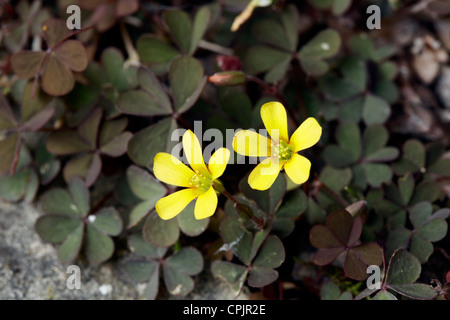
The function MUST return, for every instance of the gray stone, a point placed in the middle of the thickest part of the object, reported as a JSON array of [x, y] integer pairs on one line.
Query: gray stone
[[30, 269]]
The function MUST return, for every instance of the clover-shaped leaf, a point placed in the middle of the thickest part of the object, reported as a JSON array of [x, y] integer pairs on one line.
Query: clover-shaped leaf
[[341, 236], [402, 272], [24, 183], [323, 46], [105, 81], [428, 228], [157, 52], [261, 253], [69, 222], [331, 291], [89, 141], [281, 38], [31, 16], [177, 269], [367, 154], [56, 65], [33, 117], [151, 98]]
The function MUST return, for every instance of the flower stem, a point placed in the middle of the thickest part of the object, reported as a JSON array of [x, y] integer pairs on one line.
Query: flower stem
[[244, 211]]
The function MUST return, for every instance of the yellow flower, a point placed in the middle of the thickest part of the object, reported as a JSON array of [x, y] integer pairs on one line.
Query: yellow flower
[[281, 152], [198, 181]]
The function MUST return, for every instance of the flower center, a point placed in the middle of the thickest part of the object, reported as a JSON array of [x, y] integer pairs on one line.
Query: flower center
[[283, 151], [201, 181]]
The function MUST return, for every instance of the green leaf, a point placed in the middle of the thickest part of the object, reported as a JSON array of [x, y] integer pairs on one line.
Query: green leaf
[[397, 239], [384, 295], [65, 142], [138, 102], [199, 26], [138, 245], [271, 253], [336, 179], [178, 284], [139, 211], [406, 187], [324, 45], [55, 228], [290, 20], [261, 276], [145, 144], [271, 32], [98, 246], [189, 224], [231, 273], [375, 110], [440, 167], [80, 195], [237, 239], [375, 138], [267, 200], [433, 230], [144, 185], [152, 50], [321, 4], [419, 213], [418, 291], [427, 190], [159, 232], [421, 248], [340, 6], [107, 220], [13, 188], [70, 248], [86, 166], [377, 174], [180, 27], [188, 261], [354, 70], [151, 85], [260, 59], [293, 205], [59, 201], [141, 271], [404, 268], [185, 93], [414, 151]]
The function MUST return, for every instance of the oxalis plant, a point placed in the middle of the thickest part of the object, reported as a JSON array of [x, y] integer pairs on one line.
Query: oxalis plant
[[240, 140]]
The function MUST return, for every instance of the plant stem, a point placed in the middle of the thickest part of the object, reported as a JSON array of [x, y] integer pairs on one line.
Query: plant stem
[[272, 90], [333, 194], [133, 56], [248, 215]]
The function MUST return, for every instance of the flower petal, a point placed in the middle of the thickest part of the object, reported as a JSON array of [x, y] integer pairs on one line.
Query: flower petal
[[307, 135], [206, 204], [168, 207], [252, 144], [298, 168], [193, 152], [273, 114], [265, 173], [170, 170], [218, 162]]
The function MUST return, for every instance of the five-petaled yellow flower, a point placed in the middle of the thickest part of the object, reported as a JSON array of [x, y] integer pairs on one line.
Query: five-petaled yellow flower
[[198, 181], [281, 152]]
